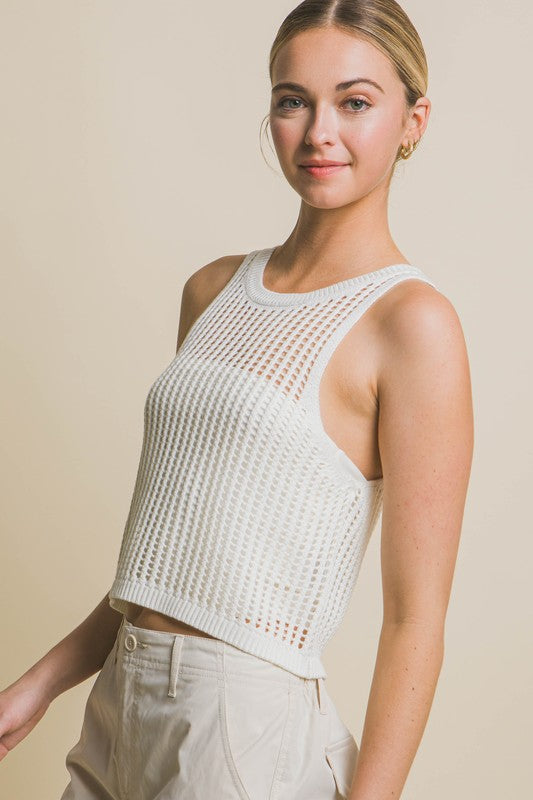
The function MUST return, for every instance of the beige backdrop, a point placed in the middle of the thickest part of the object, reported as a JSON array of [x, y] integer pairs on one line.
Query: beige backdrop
[[130, 157]]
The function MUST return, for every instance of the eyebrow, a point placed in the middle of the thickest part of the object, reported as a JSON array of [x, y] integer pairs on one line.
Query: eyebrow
[[340, 87]]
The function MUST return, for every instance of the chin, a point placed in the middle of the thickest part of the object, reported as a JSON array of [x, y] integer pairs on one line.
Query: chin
[[324, 196], [325, 204]]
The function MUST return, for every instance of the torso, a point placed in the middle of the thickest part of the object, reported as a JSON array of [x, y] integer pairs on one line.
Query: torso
[[348, 405], [144, 617]]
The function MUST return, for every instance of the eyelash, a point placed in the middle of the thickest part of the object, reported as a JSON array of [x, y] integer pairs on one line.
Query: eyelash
[[349, 100]]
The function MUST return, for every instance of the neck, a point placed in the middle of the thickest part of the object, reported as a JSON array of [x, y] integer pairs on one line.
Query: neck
[[350, 240]]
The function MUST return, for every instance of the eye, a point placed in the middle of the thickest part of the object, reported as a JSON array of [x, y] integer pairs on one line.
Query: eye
[[288, 99], [358, 100], [282, 102]]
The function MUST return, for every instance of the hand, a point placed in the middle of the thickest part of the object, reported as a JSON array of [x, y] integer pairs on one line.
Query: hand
[[22, 704]]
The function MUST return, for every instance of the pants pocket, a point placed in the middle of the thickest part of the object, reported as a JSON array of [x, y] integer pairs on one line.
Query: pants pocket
[[256, 725], [342, 758]]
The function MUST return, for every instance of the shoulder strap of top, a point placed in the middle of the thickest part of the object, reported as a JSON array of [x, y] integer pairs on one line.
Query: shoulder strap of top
[[366, 298]]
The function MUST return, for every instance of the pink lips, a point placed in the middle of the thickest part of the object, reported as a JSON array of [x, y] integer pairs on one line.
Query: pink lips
[[323, 171]]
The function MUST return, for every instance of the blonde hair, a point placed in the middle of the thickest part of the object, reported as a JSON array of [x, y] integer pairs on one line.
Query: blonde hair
[[383, 23]]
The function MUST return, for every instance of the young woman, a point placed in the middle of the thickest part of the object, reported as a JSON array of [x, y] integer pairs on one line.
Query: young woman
[[316, 383]]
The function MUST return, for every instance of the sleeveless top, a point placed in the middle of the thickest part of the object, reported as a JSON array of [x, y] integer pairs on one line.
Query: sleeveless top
[[247, 521]]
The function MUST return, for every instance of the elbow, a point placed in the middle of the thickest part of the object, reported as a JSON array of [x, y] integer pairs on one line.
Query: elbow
[[427, 631]]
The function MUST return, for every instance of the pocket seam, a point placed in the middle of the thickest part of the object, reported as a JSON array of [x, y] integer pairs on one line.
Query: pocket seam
[[280, 770], [330, 748], [223, 724], [346, 743]]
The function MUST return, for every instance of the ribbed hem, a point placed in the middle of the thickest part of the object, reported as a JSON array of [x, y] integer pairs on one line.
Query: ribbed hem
[[123, 591]]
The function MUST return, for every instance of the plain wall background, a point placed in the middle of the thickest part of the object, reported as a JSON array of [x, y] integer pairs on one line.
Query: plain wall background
[[130, 157]]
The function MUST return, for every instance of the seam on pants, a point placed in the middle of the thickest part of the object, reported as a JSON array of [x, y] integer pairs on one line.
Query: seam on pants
[[117, 754], [124, 753], [221, 680], [281, 771]]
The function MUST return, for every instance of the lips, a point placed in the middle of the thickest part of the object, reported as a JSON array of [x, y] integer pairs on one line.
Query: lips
[[316, 163], [323, 169]]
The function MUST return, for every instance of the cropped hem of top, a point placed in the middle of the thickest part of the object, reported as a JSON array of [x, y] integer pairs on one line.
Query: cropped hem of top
[[247, 520], [209, 621]]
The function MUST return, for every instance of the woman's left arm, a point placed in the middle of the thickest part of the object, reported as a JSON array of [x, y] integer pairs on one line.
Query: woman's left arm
[[426, 436]]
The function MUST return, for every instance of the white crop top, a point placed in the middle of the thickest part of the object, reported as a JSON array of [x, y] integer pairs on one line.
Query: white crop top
[[247, 521]]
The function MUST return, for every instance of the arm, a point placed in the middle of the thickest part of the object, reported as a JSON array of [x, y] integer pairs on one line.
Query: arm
[[79, 655], [74, 659], [425, 433]]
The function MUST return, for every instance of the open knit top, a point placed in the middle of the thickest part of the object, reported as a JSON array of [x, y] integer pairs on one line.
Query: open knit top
[[247, 520]]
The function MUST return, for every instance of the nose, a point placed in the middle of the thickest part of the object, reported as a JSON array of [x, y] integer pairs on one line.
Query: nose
[[322, 128]]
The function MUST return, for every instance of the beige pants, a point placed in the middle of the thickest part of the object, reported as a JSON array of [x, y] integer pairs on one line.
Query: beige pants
[[182, 717]]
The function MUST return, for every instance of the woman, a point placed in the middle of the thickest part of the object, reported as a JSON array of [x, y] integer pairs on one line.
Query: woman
[[315, 384]]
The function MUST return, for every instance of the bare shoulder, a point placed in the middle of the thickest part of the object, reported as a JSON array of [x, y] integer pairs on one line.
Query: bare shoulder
[[207, 281], [415, 319], [201, 288], [424, 389]]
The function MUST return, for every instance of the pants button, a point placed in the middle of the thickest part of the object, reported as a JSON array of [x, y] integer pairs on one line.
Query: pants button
[[130, 642]]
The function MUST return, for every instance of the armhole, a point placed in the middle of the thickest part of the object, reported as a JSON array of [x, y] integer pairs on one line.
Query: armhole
[[218, 297], [310, 397], [355, 315]]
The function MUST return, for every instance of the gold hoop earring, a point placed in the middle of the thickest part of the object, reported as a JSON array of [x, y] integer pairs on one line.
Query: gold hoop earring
[[407, 152]]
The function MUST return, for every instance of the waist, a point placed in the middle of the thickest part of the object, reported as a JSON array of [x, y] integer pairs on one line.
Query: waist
[[193, 656], [149, 619], [285, 642]]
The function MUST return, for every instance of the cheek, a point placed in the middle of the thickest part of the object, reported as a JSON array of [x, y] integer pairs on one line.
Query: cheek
[[286, 136], [371, 140]]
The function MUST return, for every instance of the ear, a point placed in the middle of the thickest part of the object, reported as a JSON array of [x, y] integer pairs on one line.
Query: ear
[[417, 120]]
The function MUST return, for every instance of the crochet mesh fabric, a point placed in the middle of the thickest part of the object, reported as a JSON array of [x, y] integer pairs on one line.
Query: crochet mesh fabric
[[247, 520]]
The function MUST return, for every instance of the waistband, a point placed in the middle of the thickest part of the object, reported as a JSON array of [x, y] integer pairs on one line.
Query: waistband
[[200, 654]]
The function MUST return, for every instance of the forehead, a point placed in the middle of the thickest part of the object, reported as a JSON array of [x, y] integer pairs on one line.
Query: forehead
[[323, 57]]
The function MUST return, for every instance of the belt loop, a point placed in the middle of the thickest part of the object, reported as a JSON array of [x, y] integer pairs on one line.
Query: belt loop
[[174, 664], [321, 697]]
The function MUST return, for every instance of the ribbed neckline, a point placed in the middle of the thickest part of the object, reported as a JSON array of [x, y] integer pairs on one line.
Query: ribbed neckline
[[258, 292]]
